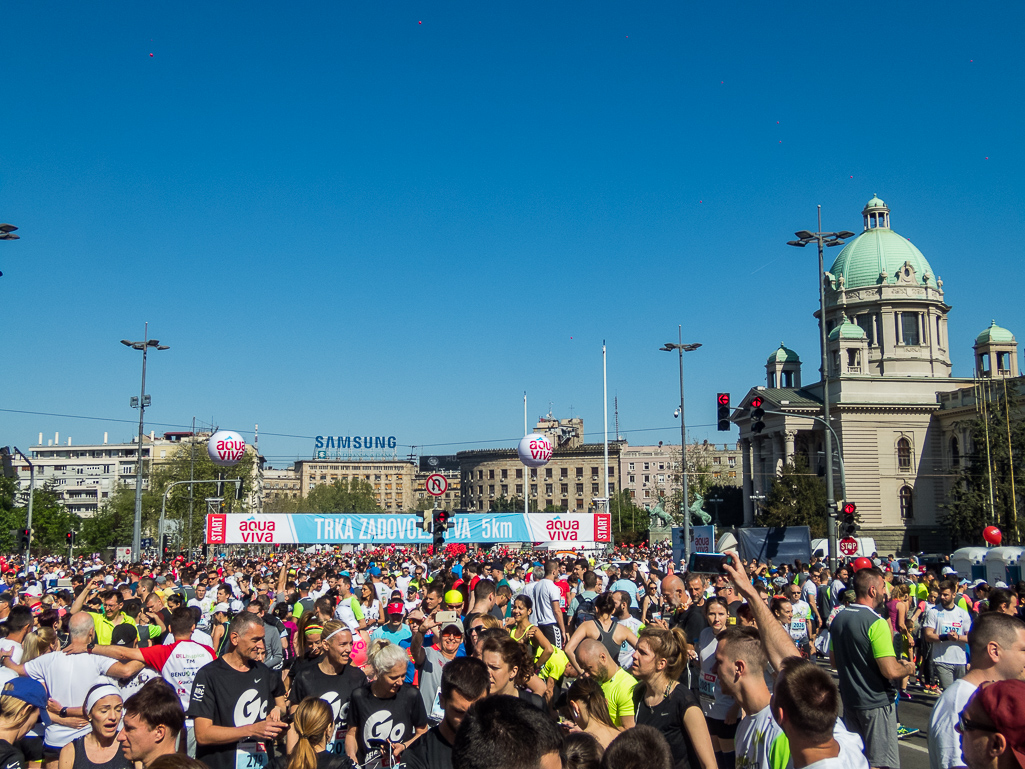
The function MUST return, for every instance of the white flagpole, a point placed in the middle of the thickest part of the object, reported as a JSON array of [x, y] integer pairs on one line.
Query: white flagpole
[[526, 470], [605, 404]]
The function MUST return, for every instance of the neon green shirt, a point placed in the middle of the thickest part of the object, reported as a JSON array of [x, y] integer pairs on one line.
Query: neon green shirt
[[619, 693]]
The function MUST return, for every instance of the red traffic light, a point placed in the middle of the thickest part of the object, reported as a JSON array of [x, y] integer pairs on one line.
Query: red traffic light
[[724, 399], [756, 402], [849, 508]]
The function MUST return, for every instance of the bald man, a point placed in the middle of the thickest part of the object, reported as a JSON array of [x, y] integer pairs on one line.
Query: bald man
[[617, 684]]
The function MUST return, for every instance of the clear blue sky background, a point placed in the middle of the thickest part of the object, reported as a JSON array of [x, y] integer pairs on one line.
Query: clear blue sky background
[[394, 218]]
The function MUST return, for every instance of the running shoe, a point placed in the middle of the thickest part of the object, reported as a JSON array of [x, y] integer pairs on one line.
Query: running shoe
[[905, 696], [906, 731]]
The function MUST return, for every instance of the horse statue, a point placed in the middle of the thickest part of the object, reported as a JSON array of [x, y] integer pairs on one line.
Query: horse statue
[[658, 517], [697, 509]]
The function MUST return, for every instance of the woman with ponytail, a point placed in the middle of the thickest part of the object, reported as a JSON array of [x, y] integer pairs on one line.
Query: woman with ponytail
[[662, 702], [314, 727]]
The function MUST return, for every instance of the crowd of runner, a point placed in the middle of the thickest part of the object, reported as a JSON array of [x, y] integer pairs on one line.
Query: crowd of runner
[[503, 660]]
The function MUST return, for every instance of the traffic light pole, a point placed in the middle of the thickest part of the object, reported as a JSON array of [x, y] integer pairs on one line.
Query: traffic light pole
[[31, 496]]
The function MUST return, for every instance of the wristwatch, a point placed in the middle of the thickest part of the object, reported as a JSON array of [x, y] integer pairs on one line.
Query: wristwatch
[[64, 712]]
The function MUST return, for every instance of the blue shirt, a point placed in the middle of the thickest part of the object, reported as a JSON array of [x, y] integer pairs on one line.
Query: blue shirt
[[401, 637], [627, 586]]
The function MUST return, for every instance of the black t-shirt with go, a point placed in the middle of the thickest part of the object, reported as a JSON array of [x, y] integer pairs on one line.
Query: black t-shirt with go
[[335, 690], [229, 697], [393, 718]]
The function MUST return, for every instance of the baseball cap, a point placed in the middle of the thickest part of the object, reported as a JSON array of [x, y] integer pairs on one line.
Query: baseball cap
[[978, 582], [948, 570], [375, 572], [35, 590], [457, 624], [453, 596], [222, 606], [28, 690], [123, 635], [1004, 703], [395, 608]]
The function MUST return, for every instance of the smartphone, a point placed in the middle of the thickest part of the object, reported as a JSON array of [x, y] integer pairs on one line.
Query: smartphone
[[707, 563], [446, 616]]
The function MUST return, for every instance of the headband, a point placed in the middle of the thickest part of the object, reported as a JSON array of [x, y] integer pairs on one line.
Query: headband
[[97, 693], [331, 635], [313, 629]]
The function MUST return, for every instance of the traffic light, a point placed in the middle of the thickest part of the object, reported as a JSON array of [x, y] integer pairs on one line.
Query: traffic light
[[757, 414], [848, 526], [238, 490], [425, 524], [440, 527], [70, 538], [26, 535], [722, 402], [165, 546]]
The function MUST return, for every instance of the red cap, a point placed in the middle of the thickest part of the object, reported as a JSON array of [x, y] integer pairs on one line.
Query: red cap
[[1004, 703], [395, 608]]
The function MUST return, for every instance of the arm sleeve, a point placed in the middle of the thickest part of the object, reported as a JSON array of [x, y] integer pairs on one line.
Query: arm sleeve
[[36, 668], [881, 640], [357, 610], [156, 656]]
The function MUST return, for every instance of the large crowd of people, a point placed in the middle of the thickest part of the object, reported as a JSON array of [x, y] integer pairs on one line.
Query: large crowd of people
[[503, 659]]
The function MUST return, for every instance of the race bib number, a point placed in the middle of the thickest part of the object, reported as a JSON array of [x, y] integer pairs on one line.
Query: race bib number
[[706, 685], [251, 755], [336, 747]]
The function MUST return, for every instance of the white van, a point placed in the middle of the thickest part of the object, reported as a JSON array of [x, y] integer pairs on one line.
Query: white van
[[866, 546]]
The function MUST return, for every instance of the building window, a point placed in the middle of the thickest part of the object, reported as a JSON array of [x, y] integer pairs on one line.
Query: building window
[[907, 504], [955, 452], [491, 489], [491, 475], [533, 472], [647, 479], [631, 467], [548, 472], [580, 504], [505, 474], [661, 479], [646, 466], [909, 327], [580, 488], [716, 460], [564, 488], [548, 489], [505, 489], [612, 472], [904, 455], [633, 479], [594, 488], [519, 472], [564, 472], [580, 472], [731, 461], [533, 489], [480, 475]]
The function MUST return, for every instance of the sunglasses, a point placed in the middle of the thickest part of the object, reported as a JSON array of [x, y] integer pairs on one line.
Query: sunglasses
[[965, 724]]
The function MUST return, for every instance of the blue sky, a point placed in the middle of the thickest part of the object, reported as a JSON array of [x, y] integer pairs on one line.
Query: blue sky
[[394, 218]]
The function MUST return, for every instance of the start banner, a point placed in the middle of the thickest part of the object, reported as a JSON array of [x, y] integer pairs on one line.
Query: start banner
[[403, 528]]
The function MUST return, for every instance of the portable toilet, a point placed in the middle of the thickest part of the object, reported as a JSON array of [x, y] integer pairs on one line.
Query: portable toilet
[[969, 562], [1004, 564]]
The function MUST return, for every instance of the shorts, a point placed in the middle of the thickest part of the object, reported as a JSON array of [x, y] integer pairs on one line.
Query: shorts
[[553, 634], [32, 748], [877, 728], [718, 727]]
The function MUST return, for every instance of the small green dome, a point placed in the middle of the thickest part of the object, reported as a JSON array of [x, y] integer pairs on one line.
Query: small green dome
[[875, 202], [995, 333], [847, 330], [875, 251], [783, 355]]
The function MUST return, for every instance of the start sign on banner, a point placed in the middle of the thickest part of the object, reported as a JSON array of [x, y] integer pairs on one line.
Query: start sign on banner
[[401, 529]]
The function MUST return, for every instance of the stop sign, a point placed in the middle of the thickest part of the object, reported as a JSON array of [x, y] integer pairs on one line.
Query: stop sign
[[849, 546]]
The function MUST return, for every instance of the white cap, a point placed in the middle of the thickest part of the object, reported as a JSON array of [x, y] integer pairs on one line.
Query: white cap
[[236, 606], [35, 590], [1001, 584], [222, 606], [948, 570]]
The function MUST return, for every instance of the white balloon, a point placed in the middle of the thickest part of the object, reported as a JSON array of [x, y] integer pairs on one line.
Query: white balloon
[[535, 450], [226, 448]]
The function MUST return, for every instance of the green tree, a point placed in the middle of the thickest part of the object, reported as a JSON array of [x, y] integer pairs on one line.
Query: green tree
[[629, 521], [342, 496], [113, 523], [796, 498], [190, 461], [996, 453], [11, 517], [51, 521]]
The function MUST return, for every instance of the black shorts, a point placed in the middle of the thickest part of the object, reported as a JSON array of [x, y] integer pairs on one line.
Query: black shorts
[[721, 729], [552, 633], [31, 747]]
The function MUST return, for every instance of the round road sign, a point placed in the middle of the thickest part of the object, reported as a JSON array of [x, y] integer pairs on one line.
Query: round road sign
[[848, 546], [437, 484]]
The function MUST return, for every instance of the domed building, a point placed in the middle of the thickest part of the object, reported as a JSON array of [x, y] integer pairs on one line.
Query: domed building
[[893, 401]]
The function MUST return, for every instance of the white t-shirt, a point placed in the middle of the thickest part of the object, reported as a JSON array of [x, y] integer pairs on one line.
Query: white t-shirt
[[197, 635], [947, 622], [944, 741], [714, 703], [544, 593], [851, 755], [755, 735], [626, 651], [809, 591], [13, 648], [801, 621], [344, 611], [68, 678]]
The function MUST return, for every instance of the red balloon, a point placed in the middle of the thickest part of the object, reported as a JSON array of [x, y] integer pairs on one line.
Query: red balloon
[[992, 535], [862, 563]]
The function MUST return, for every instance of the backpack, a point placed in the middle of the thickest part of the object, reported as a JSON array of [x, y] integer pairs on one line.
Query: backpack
[[585, 611]]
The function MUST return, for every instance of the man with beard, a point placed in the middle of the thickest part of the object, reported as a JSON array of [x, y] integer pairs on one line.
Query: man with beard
[[946, 627], [332, 679], [861, 649], [463, 682]]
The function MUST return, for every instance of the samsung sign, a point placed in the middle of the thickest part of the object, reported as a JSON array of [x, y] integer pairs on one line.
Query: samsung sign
[[355, 442]]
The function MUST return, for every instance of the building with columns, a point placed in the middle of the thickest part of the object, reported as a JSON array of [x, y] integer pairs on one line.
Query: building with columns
[[893, 402]]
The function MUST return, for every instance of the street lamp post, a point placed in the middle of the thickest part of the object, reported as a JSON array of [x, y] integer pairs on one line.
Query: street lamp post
[[7, 233], [141, 403], [825, 239], [31, 496], [682, 348]]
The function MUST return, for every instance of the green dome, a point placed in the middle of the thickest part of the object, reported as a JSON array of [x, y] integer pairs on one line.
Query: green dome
[[847, 330], [995, 333], [875, 251], [783, 355], [875, 202]]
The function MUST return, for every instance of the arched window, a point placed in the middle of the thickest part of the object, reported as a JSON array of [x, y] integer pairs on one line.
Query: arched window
[[955, 452], [904, 455], [907, 503]]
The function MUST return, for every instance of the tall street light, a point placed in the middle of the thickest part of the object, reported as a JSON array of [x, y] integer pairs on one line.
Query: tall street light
[[141, 403], [684, 505], [825, 239], [7, 233]]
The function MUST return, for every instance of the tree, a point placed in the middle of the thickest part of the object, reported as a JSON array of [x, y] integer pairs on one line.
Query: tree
[[11, 517], [113, 523], [342, 496], [996, 452], [629, 521], [796, 498]]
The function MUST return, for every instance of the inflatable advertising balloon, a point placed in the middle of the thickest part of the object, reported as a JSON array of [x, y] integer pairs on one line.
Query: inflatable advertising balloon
[[535, 450], [992, 535], [226, 448]]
